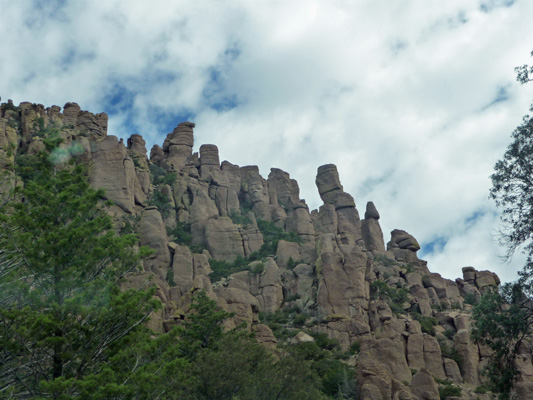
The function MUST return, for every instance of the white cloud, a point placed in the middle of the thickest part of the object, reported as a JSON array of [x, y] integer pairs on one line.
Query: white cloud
[[400, 95]]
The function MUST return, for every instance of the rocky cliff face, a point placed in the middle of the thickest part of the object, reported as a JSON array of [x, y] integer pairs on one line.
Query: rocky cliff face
[[408, 327]]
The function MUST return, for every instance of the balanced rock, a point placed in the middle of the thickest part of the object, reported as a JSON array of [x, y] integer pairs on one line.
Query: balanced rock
[[328, 182], [178, 145], [371, 211], [403, 240]]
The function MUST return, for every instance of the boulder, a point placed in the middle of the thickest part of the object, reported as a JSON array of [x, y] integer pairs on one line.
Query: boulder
[[402, 240], [424, 386]]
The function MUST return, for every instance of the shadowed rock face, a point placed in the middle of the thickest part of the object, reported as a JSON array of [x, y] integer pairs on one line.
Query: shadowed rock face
[[333, 272]]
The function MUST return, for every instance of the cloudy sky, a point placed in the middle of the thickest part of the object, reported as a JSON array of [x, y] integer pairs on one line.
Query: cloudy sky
[[413, 100]]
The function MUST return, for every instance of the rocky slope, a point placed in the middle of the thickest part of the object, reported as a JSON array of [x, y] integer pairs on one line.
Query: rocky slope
[[327, 271]]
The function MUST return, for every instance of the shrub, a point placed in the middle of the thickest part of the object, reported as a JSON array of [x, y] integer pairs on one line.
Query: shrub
[[427, 323], [448, 389], [481, 389], [170, 277], [223, 269], [292, 297], [395, 297], [386, 261], [300, 319], [324, 342], [159, 175], [470, 298], [181, 234], [162, 202], [169, 179], [9, 106], [257, 269], [355, 347], [239, 218], [450, 352], [449, 333]]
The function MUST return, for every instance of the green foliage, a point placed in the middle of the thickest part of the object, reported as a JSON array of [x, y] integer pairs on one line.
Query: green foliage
[[482, 389], [447, 389], [470, 298], [324, 342], [409, 268], [239, 218], [223, 269], [159, 176], [502, 322], [170, 277], [291, 298], [61, 312], [181, 234], [272, 234], [291, 263], [504, 319], [271, 237], [395, 297], [242, 369], [386, 261], [257, 268], [523, 72], [449, 333], [8, 107], [203, 326], [25, 166], [130, 224], [426, 323], [68, 332], [156, 173], [169, 178], [355, 347], [283, 321], [162, 202], [450, 352], [337, 378], [512, 189]]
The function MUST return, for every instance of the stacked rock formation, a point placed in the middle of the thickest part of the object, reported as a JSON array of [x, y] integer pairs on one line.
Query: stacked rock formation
[[333, 272]]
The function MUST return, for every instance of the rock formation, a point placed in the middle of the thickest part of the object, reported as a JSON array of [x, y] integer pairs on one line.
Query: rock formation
[[411, 326]]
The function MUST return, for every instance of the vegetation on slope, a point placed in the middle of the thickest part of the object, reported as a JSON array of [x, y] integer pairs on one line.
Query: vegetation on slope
[[272, 234], [504, 319], [68, 332]]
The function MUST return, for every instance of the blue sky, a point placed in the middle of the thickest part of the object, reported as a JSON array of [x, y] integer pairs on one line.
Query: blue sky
[[414, 101]]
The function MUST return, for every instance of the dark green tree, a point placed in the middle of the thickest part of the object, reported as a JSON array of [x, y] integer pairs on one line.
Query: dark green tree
[[61, 309], [512, 189], [504, 319], [240, 368]]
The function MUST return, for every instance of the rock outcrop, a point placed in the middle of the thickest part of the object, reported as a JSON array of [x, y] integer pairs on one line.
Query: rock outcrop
[[198, 215]]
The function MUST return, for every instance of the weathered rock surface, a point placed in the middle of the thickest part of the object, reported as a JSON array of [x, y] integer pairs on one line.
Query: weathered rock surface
[[190, 208]]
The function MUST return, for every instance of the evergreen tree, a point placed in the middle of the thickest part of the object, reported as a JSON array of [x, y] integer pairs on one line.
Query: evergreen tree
[[504, 319], [61, 309]]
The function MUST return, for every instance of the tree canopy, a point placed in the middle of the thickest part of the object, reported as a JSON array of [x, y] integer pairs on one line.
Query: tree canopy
[[61, 309], [504, 319]]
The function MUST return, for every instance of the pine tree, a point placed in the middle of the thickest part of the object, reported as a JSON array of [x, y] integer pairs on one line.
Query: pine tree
[[61, 309]]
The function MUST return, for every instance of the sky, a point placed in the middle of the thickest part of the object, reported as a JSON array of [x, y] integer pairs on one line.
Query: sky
[[413, 100]]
